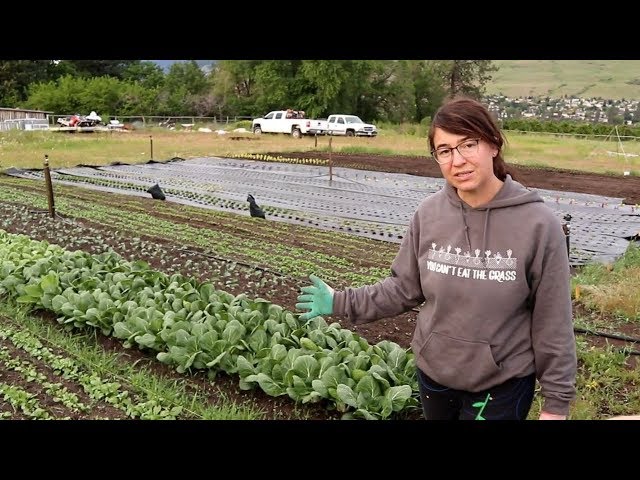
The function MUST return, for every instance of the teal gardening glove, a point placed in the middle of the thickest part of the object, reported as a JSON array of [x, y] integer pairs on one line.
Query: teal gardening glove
[[318, 299]]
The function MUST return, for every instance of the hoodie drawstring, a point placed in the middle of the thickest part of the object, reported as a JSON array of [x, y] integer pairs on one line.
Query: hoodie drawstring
[[464, 225], [484, 233], [484, 238]]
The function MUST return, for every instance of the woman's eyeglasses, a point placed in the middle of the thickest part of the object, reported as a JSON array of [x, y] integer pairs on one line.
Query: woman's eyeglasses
[[466, 148]]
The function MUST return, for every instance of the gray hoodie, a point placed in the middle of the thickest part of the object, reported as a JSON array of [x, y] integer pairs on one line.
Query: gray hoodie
[[496, 285]]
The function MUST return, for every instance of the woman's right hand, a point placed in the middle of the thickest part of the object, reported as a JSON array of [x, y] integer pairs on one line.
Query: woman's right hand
[[317, 298]]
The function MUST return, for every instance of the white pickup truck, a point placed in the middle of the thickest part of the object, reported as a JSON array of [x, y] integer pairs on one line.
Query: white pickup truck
[[288, 121], [350, 125]]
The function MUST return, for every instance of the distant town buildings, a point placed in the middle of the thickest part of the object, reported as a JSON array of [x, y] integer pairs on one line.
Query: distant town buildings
[[596, 110]]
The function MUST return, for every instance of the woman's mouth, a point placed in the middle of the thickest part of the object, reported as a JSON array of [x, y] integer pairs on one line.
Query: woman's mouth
[[461, 176]]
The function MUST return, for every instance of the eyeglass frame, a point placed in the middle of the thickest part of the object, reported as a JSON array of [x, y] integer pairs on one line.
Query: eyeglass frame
[[434, 151]]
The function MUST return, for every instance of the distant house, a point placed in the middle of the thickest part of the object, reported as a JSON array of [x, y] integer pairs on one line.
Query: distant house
[[22, 119]]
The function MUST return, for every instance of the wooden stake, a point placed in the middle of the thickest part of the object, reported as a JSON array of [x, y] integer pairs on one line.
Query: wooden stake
[[47, 178], [330, 162]]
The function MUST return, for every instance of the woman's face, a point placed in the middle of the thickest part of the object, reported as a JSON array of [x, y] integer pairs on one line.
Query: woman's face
[[469, 167]]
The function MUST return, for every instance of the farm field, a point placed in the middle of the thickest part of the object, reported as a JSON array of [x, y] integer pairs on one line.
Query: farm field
[[615, 79], [305, 191], [257, 259]]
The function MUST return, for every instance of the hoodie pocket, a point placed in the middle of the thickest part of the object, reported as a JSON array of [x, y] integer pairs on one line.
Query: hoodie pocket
[[458, 363]]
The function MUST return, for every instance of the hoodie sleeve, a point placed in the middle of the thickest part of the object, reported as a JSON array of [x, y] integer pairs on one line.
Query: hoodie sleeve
[[394, 295], [554, 342]]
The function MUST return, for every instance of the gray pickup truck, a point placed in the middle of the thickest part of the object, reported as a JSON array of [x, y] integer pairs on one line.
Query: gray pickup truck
[[350, 125]]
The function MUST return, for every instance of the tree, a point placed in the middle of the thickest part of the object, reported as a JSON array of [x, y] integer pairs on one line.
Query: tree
[[146, 74], [188, 75], [386, 92], [318, 84], [234, 86], [613, 115], [359, 88], [17, 75], [100, 68], [467, 77], [428, 89], [275, 87], [184, 83], [106, 95]]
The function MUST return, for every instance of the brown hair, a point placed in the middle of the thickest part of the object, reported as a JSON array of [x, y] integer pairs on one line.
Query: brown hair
[[466, 116]]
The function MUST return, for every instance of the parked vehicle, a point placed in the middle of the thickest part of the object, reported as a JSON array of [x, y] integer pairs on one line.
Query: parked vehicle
[[168, 123], [77, 120], [293, 122], [350, 125]]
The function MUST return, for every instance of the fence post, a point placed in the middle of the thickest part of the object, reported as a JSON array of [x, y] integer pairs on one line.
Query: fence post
[[47, 178], [330, 161], [151, 145]]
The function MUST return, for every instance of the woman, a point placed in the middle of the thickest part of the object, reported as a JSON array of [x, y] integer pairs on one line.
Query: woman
[[488, 258]]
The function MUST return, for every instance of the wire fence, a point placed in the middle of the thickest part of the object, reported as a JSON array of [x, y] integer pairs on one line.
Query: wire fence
[[24, 124], [148, 121], [612, 135], [189, 122]]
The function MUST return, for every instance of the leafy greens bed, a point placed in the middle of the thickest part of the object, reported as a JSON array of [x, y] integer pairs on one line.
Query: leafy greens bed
[[191, 325]]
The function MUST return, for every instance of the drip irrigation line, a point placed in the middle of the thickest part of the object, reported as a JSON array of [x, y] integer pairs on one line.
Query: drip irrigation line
[[299, 280], [365, 185], [628, 352], [65, 220], [383, 222], [226, 260], [355, 181], [608, 335], [382, 195], [599, 334], [316, 176], [57, 215]]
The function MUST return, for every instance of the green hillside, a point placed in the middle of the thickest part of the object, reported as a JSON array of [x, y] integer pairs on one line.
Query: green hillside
[[608, 79]]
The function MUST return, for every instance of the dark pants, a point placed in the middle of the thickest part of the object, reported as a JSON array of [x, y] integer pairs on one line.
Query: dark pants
[[508, 401]]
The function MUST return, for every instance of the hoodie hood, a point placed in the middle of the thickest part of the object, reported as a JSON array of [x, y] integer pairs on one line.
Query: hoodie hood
[[512, 193]]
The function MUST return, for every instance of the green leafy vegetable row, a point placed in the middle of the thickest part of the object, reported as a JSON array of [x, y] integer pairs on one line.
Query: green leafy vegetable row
[[191, 325]]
